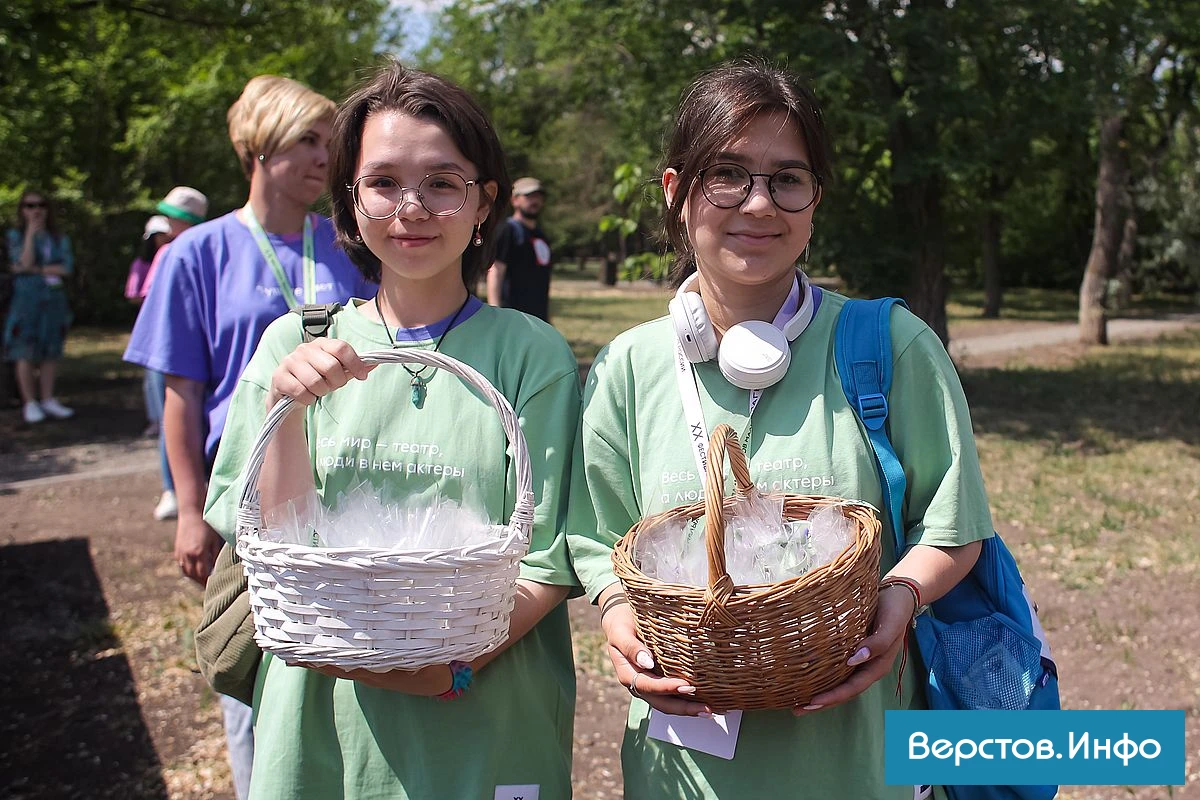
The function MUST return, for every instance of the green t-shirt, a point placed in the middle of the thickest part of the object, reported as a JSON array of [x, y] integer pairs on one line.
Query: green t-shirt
[[633, 458], [320, 737]]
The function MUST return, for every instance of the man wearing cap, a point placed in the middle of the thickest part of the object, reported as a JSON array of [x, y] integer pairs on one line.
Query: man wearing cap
[[520, 276]]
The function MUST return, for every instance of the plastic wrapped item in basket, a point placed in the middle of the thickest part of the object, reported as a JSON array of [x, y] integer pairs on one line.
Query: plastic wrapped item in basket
[[385, 608], [755, 647]]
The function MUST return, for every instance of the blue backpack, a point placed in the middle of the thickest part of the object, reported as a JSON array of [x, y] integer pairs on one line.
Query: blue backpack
[[981, 643]]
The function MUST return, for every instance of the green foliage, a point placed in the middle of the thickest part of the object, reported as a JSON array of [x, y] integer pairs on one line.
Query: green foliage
[[109, 105], [943, 112], [1170, 256], [637, 200]]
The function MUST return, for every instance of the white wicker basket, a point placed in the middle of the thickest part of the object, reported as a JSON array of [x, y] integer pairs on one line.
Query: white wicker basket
[[384, 609]]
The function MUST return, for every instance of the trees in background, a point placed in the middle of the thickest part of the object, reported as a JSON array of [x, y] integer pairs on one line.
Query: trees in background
[[108, 105], [970, 135], [989, 143]]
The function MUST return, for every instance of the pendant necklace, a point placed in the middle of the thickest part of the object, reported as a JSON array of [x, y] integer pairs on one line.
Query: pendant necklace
[[419, 384]]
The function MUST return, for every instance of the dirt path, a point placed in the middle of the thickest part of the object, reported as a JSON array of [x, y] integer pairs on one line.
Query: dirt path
[[103, 701], [969, 347]]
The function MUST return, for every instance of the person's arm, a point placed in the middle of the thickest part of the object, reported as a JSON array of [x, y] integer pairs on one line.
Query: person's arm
[[24, 259], [549, 418], [945, 506], [66, 260], [935, 570], [309, 372], [196, 544], [495, 283], [533, 601]]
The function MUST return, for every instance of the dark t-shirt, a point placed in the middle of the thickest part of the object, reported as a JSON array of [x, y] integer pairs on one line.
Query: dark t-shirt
[[526, 256]]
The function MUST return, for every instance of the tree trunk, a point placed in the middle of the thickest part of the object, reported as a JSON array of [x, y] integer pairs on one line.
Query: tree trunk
[[992, 290], [927, 285], [608, 273], [1111, 180], [1124, 282]]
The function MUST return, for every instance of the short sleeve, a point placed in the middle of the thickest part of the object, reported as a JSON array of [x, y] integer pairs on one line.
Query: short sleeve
[[603, 505], [549, 420], [66, 256], [15, 244], [247, 411], [172, 333], [946, 503], [504, 242]]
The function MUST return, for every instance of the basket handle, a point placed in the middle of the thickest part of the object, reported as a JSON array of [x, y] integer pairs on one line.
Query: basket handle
[[522, 515], [722, 443]]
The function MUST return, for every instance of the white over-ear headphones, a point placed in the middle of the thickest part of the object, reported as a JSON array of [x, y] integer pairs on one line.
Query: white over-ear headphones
[[752, 354]]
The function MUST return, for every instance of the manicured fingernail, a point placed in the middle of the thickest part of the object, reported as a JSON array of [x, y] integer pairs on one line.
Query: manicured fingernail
[[645, 660], [862, 655], [812, 708], [686, 690]]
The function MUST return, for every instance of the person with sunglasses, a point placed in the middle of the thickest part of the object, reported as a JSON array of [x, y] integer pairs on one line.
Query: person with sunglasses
[[35, 327], [418, 185], [749, 338], [215, 291]]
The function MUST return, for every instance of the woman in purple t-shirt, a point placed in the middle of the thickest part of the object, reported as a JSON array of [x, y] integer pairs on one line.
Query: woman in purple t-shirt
[[219, 286]]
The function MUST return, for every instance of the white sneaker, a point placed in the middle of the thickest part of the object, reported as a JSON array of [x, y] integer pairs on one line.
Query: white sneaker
[[57, 409], [33, 413], [168, 507]]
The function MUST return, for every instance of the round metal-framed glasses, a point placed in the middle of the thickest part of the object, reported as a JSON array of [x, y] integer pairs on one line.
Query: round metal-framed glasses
[[728, 185], [380, 197]]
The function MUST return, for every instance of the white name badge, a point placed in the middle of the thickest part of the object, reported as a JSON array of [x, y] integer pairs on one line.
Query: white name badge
[[716, 736], [527, 791]]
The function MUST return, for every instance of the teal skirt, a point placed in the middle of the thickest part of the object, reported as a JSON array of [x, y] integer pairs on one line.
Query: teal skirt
[[37, 321]]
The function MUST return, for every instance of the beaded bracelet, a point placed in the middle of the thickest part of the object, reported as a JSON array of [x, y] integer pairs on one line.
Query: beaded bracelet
[[461, 675]]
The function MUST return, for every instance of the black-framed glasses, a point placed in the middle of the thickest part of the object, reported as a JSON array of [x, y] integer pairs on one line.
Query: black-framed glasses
[[34, 204], [728, 186], [380, 197]]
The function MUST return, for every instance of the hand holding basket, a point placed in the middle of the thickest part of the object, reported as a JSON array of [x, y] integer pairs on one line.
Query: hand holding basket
[[385, 608], [755, 647]]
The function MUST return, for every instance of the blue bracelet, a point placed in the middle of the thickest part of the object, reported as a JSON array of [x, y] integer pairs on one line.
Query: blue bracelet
[[461, 675]]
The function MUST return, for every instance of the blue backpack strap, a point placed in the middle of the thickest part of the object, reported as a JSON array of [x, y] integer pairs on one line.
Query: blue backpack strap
[[863, 354]]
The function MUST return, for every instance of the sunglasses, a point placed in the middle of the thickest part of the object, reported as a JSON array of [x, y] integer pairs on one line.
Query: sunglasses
[[34, 204]]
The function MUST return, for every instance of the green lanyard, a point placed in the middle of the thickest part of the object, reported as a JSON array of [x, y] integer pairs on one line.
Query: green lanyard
[[268, 252]]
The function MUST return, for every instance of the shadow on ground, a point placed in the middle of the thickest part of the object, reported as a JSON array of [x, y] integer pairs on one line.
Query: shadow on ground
[[1137, 394], [56, 740]]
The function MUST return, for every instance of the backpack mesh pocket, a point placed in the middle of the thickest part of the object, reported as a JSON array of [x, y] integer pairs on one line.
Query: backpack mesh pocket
[[986, 665]]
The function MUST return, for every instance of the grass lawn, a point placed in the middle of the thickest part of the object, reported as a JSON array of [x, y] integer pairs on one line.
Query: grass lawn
[[1096, 462]]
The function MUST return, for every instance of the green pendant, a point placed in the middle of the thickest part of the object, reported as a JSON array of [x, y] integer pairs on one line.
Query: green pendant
[[418, 392]]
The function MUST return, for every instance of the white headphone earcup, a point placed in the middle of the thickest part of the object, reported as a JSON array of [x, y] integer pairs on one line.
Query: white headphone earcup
[[754, 355], [692, 327]]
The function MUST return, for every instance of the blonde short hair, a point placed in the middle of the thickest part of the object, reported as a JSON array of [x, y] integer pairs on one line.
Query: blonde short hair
[[271, 115]]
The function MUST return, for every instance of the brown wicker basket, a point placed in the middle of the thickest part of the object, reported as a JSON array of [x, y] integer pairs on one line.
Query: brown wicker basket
[[754, 647]]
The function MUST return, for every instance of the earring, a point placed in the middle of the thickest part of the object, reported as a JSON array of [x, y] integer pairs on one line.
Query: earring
[[478, 240], [358, 238], [262, 157], [804, 256]]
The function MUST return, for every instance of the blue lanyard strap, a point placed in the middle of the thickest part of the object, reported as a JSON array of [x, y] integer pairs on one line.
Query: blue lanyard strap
[[268, 253]]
